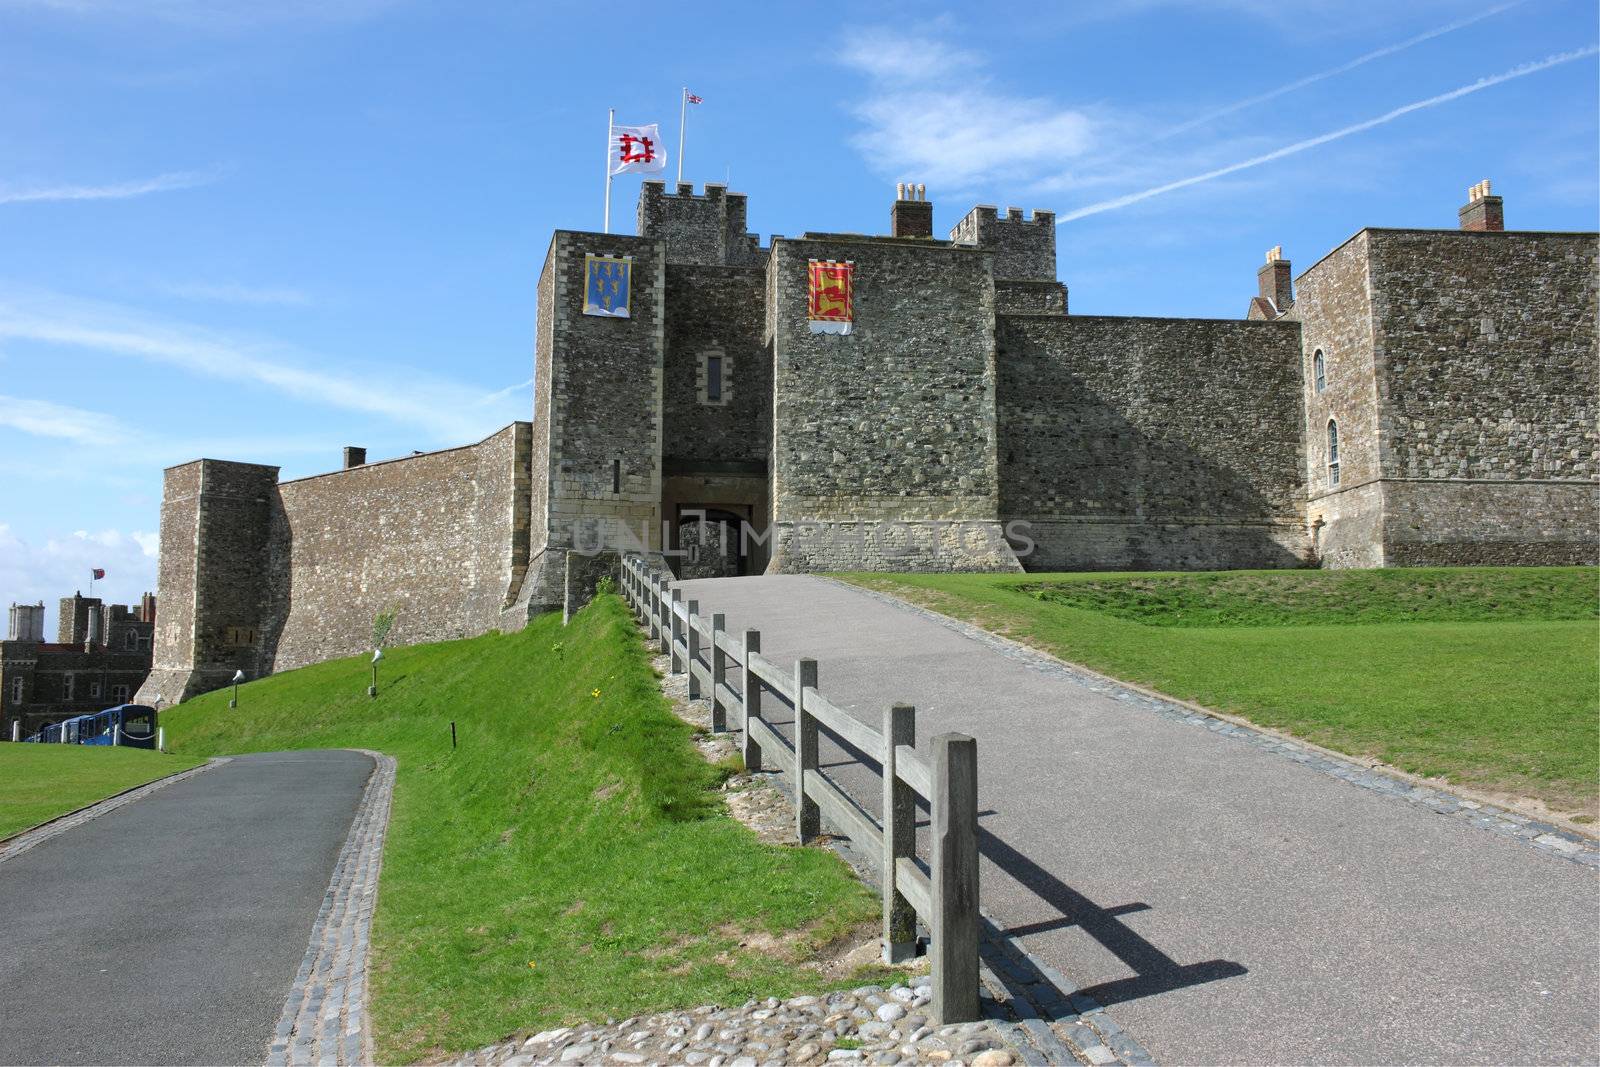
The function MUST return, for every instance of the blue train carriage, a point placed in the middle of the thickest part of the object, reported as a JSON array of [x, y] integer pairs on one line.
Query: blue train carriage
[[131, 725]]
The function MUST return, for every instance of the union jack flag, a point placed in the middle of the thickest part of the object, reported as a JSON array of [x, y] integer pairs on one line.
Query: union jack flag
[[693, 99]]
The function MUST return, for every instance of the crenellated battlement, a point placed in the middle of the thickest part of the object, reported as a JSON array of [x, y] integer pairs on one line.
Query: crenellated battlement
[[1024, 247], [707, 229]]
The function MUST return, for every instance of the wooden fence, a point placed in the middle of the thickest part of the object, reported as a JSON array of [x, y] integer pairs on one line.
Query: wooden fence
[[945, 896]]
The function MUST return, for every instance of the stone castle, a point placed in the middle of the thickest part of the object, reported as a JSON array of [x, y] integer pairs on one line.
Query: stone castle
[[100, 658], [1415, 397]]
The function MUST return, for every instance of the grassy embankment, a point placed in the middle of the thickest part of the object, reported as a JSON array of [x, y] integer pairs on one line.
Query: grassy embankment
[[41, 782], [569, 861], [1486, 677]]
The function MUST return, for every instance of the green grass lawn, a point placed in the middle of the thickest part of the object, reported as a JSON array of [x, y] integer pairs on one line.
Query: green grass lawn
[[569, 861], [1487, 677], [41, 782]]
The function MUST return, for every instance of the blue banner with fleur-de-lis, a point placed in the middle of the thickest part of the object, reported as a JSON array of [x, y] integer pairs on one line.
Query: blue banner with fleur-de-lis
[[606, 285]]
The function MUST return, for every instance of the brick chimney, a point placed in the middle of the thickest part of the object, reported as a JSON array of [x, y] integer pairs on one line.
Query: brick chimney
[[1274, 280], [147, 608], [354, 457], [1482, 212], [912, 215]]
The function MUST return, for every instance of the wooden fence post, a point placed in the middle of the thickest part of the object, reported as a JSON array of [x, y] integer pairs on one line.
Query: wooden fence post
[[899, 836], [719, 673], [955, 878], [807, 816], [694, 650], [663, 613], [752, 701], [653, 605], [676, 627]]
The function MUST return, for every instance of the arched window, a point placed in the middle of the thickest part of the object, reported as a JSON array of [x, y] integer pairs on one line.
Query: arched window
[[1333, 452], [1319, 371]]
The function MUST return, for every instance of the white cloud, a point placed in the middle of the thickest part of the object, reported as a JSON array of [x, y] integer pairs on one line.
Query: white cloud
[[60, 564], [162, 183], [44, 419], [933, 116], [892, 56], [447, 410], [234, 293], [956, 139]]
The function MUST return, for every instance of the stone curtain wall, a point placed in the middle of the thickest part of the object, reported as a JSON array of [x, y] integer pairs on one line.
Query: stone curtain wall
[[1488, 362], [543, 349], [437, 538], [894, 423], [213, 577], [602, 405], [1024, 298], [1333, 306], [1133, 443], [1488, 354], [716, 309], [1461, 368], [1435, 524], [263, 577]]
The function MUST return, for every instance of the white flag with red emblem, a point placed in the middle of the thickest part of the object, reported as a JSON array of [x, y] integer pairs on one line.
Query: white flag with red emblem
[[637, 150]]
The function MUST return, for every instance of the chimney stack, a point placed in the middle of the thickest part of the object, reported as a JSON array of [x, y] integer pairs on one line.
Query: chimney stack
[[912, 215], [27, 622], [147, 608], [1274, 280], [354, 457], [1482, 212]]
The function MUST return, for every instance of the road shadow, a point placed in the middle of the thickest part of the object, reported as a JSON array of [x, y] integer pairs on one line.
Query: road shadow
[[1154, 971]]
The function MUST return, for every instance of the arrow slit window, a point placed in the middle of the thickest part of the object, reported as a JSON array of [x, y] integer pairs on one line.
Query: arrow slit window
[[715, 378], [1333, 452]]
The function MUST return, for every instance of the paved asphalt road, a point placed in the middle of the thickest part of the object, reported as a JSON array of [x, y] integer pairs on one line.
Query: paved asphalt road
[[1226, 904], [169, 931]]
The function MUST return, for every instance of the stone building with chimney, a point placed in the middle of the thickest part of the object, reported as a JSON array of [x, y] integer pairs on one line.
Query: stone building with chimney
[[1421, 396], [99, 659]]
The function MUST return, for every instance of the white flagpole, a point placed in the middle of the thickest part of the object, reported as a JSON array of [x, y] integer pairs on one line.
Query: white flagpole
[[611, 122], [683, 112]]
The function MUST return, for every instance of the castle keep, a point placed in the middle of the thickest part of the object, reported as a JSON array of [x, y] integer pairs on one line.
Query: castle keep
[[1415, 397]]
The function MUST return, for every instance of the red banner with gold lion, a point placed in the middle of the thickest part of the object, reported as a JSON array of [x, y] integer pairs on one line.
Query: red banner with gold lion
[[831, 304]]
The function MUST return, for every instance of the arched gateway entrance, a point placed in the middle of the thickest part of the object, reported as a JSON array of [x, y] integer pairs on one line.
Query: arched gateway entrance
[[709, 538]]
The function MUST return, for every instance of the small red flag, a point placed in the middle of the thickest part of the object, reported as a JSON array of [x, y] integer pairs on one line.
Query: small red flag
[[98, 572], [693, 99]]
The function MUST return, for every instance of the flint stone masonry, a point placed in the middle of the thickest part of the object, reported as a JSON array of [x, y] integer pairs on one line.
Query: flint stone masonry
[[1163, 443], [600, 445], [968, 422], [707, 230], [895, 421], [1460, 369], [1024, 248], [293, 574]]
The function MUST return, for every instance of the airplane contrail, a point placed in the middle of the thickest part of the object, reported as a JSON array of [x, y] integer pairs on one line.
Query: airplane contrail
[[1312, 142], [1312, 79]]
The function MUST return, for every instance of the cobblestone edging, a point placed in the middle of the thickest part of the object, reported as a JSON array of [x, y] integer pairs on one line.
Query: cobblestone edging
[[865, 1025], [22, 842], [324, 1018], [1038, 1013], [1540, 836], [1024, 1000]]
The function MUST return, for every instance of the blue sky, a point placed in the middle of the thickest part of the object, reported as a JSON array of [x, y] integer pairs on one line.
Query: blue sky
[[261, 231]]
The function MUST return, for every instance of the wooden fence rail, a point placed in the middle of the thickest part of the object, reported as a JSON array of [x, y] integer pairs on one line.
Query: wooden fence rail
[[945, 895]]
